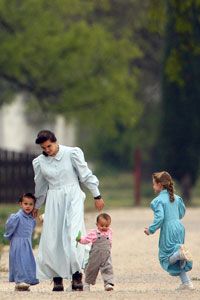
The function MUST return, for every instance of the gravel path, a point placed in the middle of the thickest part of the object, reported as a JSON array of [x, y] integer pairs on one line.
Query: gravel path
[[138, 274]]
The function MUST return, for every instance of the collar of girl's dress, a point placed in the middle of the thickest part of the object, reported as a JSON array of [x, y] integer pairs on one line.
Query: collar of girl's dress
[[25, 214], [164, 191]]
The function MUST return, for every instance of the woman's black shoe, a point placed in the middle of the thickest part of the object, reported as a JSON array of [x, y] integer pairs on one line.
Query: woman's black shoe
[[58, 284], [77, 284]]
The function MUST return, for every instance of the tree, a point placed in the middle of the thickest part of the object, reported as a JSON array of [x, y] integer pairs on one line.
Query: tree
[[71, 64], [180, 126], [141, 30]]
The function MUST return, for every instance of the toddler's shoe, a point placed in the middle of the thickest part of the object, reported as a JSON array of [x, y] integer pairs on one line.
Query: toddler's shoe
[[108, 287], [185, 286], [184, 253], [86, 287], [22, 286]]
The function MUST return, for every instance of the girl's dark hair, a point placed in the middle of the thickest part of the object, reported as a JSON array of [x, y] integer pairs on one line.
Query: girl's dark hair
[[45, 135], [105, 216], [166, 180], [27, 195]]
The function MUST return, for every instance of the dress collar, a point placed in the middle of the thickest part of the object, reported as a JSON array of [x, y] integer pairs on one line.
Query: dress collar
[[58, 155], [164, 191], [24, 214]]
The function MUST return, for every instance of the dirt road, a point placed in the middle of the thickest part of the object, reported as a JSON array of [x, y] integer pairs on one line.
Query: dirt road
[[138, 274]]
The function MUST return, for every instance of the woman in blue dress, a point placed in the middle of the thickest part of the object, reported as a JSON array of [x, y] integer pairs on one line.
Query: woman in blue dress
[[168, 210], [59, 171], [19, 229]]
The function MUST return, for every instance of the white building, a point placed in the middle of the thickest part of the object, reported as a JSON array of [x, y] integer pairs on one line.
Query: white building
[[19, 128]]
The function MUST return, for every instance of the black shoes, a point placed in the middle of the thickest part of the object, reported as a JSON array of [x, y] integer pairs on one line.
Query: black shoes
[[58, 284], [77, 284]]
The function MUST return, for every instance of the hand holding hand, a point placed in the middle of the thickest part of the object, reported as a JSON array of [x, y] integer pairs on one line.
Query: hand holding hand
[[146, 231], [78, 238], [35, 213], [99, 204]]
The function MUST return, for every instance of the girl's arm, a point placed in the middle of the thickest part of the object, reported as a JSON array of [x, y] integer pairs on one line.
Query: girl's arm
[[158, 219], [89, 238], [11, 225], [181, 208]]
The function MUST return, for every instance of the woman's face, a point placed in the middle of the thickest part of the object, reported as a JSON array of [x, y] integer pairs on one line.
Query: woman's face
[[50, 148]]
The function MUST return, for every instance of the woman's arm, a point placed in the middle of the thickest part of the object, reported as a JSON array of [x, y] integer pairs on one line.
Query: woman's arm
[[41, 185]]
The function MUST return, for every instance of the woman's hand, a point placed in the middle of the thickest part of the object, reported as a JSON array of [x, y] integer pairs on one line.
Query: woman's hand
[[99, 204], [35, 213], [146, 231]]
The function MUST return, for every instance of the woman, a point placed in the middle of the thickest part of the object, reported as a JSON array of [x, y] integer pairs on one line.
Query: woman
[[58, 173]]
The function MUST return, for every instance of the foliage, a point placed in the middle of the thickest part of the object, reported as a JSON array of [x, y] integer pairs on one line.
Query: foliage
[[180, 146], [72, 64], [142, 30]]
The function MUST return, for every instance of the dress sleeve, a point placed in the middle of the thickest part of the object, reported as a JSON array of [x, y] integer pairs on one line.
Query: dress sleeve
[[181, 208], [11, 225], [158, 210], [41, 185], [84, 173], [89, 238]]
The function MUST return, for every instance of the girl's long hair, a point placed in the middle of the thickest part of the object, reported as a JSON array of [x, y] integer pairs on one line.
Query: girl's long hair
[[166, 180]]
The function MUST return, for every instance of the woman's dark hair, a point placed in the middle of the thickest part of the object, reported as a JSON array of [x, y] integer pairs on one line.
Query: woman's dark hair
[[27, 195], [45, 135]]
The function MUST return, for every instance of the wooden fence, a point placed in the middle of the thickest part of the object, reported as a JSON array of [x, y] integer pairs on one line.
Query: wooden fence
[[16, 175]]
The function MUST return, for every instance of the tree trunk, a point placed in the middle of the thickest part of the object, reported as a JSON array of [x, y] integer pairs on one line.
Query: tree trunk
[[186, 188]]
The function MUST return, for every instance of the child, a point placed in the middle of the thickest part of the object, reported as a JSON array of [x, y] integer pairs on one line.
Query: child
[[19, 229], [100, 253], [168, 209]]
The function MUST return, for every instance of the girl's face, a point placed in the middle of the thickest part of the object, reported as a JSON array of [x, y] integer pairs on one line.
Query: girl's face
[[103, 224], [50, 148], [157, 186], [27, 205]]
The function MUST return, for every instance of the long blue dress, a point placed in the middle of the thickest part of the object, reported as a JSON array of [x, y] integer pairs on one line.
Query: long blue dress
[[57, 181], [167, 216], [19, 229]]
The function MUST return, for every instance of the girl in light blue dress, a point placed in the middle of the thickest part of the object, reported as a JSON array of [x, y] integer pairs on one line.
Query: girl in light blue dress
[[19, 229], [168, 210]]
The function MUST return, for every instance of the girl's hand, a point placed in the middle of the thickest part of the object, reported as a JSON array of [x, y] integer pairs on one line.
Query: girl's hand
[[146, 231], [35, 213], [99, 204]]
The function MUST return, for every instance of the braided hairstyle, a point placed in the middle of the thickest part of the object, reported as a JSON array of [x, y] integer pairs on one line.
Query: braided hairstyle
[[166, 180]]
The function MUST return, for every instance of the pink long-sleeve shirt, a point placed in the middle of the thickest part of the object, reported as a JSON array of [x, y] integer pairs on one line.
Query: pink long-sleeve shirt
[[92, 236]]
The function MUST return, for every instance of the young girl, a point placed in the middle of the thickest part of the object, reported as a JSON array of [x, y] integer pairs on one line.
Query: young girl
[[100, 253], [168, 209], [19, 229]]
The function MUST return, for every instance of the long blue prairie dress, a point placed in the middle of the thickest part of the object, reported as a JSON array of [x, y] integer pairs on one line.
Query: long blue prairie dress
[[57, 181], [167, 216], [19, 229]]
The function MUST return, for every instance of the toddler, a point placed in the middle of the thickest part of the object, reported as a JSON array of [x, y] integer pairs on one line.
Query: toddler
[[100, 253], [19, 229]]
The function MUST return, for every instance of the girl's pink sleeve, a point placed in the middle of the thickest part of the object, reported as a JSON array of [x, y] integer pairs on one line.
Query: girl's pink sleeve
[[89, 238]]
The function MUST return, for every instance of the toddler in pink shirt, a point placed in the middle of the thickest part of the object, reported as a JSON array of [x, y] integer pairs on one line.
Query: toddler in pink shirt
[[100, 253]]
